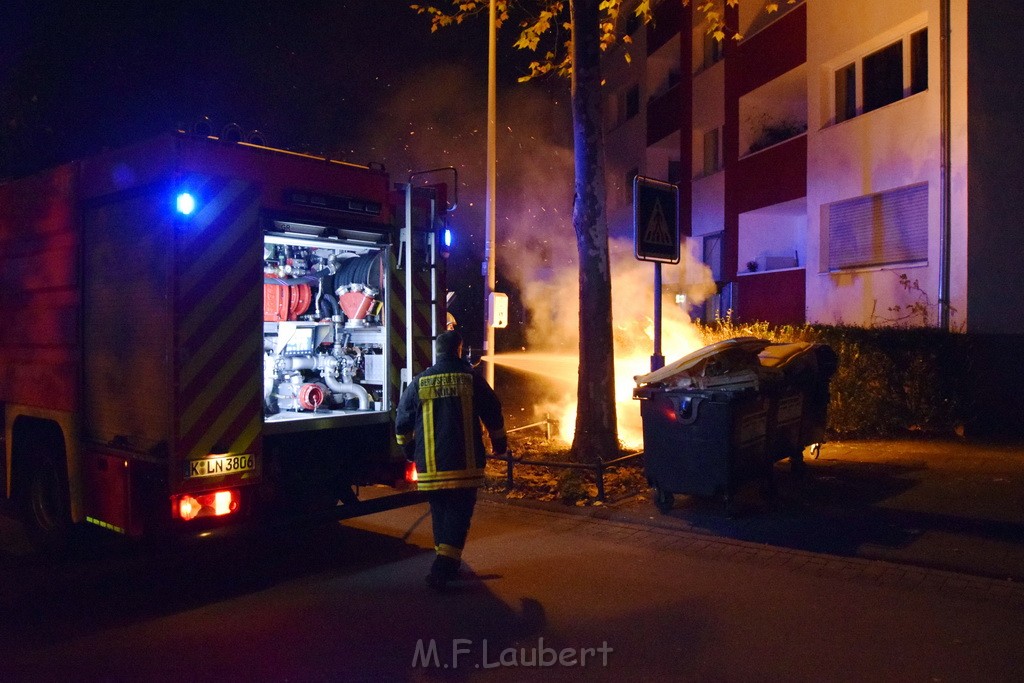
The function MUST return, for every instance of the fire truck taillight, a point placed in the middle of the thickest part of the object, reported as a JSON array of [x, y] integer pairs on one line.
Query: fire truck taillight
[[216, 504], [411, 475]]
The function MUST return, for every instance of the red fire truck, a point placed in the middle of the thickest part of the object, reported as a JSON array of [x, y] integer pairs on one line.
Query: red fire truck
[[199, 332]]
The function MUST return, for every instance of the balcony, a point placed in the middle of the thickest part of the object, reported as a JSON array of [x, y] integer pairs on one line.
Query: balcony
[[668, 17], [771, 252], [774, 112], [663, 113]]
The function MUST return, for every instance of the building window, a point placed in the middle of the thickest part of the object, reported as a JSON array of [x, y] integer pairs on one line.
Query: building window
[[632, 102], [712, 255], [883, 77], [712, 151], [675, 169], [846, 93], [919, 61], [879, 229], [713, 50]]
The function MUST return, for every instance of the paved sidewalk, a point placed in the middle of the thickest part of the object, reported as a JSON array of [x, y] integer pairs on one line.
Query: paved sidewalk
[[945, 505]]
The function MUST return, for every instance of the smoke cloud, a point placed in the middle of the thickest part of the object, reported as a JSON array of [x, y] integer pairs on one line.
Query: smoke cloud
[[438, 118]]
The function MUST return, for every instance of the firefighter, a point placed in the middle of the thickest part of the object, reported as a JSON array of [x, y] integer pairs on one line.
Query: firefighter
[[438, 425]]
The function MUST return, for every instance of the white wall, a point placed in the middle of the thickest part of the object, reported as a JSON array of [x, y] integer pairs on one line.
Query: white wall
[[891, 147], [774, 232]]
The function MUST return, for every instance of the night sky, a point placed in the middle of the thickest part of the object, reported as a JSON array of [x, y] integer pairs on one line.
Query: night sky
[[358, 80], [78, 75]]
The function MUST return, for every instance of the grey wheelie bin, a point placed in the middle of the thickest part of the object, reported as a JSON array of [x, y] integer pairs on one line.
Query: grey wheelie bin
[[724, 414]]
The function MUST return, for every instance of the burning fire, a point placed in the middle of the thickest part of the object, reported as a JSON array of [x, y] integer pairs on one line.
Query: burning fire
[[555, 318]]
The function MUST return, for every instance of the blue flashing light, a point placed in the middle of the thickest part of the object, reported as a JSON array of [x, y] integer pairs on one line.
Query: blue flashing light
[[447, 238], [185, 203]]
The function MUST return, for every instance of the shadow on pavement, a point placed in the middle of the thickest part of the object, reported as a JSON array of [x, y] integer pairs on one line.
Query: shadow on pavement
[[855, 508], [800, 518], [372, 583]]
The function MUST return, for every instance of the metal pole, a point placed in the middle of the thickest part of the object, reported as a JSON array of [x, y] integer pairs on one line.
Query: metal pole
[[657, 360], [492, 127], [407, 258], [946, 192]]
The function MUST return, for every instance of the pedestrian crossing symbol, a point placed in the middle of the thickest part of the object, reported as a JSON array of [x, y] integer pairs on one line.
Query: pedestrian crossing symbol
[[655, 220], [657, 228]]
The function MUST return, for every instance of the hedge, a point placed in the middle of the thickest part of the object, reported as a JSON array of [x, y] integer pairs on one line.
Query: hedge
[[903, 381]]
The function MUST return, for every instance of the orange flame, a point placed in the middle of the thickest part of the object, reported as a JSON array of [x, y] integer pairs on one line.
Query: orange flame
[[632, 310]]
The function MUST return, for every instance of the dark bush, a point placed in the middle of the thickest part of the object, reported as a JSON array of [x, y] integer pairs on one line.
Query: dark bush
[[899, 381]]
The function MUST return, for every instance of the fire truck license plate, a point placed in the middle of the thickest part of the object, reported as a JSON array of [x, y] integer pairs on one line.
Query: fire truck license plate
[[221, 464]]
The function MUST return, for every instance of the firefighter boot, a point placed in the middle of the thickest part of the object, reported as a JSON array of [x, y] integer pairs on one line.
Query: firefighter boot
[[444, 569]]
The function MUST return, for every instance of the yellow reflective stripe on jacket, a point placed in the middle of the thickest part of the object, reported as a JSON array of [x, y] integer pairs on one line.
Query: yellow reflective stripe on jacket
[[467, 426], [403, 439], [462, 482], [450, 474], [441, 386], [428, 436]]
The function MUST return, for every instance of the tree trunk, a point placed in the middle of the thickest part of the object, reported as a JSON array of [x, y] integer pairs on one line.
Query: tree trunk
[[596, 435]]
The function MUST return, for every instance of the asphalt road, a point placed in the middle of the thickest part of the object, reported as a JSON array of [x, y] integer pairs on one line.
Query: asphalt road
[[631, 602]]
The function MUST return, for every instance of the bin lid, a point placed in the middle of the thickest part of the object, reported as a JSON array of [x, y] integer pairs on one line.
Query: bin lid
[[731, 363], [779, 355]]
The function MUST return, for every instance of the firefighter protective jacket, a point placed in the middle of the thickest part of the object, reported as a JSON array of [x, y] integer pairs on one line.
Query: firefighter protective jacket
[[440, 412]]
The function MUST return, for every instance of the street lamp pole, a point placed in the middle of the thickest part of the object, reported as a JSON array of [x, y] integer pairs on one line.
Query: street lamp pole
[[492, 126]]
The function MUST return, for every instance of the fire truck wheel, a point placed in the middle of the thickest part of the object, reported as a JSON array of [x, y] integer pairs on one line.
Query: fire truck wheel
[[45, 506]]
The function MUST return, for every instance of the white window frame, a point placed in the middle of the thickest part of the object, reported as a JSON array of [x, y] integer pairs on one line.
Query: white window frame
[[856, 56]]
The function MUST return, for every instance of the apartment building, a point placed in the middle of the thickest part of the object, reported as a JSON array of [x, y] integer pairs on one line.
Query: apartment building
[[842, 163]]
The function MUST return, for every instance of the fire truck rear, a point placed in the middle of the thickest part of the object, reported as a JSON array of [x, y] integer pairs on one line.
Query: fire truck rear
[[199, 333]]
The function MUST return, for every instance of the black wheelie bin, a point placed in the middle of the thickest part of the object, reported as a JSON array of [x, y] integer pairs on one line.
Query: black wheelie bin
[[724, 414], [795, 378]]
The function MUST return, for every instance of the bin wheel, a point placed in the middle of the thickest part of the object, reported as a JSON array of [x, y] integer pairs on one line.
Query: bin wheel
[[663, 500]]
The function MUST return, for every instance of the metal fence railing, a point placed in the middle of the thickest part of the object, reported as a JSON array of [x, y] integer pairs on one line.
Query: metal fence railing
[[598, 468]]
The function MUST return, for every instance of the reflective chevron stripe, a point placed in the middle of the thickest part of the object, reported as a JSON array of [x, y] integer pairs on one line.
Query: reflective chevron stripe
[[396, 328], [422, 333], [218, 316]]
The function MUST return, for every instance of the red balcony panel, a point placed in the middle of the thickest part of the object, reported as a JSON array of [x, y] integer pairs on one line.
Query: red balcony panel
[[771, 176], [780, 47], [777, 297]]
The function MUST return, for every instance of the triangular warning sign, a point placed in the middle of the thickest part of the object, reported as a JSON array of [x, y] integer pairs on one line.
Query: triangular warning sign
[[657, 231]]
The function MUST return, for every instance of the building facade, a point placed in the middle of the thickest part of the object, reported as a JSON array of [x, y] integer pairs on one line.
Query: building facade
[[841, 163]]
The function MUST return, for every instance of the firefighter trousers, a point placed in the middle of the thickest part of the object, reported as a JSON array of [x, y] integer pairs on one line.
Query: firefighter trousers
[[451, 511]]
